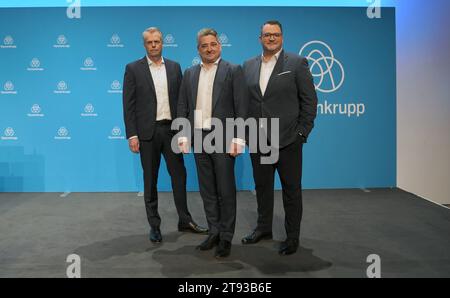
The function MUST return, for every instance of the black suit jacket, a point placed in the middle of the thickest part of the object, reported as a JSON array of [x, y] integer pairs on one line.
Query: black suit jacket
[[230, 96], [139, 97], [290, 96]]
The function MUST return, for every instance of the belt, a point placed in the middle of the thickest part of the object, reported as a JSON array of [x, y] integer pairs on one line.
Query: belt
[[203, 129], [164, 122]]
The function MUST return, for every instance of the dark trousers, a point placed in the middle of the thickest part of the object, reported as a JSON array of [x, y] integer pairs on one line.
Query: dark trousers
[[218, 190], [289, 167], [150, 152]]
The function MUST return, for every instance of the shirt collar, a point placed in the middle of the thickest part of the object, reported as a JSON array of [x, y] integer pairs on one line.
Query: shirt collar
[[276, 55], [215, 63], [150, 62]]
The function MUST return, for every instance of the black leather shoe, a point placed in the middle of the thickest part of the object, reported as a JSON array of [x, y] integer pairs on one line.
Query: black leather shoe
[[155, 235], [288, 247], [223, 249], [193, 228], [211, 241], [256, 236]]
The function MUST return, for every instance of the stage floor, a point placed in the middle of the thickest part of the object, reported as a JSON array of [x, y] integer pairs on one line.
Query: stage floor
[[109, 231]]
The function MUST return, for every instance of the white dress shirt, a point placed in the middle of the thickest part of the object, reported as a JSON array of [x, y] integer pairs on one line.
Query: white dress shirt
[[161, 89], [159, 77], [204, 95], [266, 71], [204, 101]]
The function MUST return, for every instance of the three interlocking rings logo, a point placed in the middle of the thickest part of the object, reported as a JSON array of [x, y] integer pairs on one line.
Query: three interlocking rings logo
[[327, 71], [9, 132], [35, 109], [63, 132], [89, 108], [115, 39], [115, 85], [116, 131]]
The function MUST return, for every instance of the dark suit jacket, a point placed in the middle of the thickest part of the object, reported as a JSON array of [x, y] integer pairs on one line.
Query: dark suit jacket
[[290, 96], [139, 97], [230, 96]]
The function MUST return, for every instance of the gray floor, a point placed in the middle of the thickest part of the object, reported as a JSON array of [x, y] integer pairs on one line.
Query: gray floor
[[109, 232]]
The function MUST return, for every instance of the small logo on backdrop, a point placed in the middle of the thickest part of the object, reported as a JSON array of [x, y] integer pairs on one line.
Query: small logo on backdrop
[[62, 88], [327, 71], [88, 64], [9, 134], [224, 41], [89, 111], [61, 42], [35, 111], [8, 88], [116, 87], [115, 42], [8, 43], [116, 134], [62, 134], [196, 61], [374, 9], [169, 41], [35, 65], [73, 11]]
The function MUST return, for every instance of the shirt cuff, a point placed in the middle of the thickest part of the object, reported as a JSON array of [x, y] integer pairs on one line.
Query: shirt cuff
[[238, 141], [133, 137], [182, 140]]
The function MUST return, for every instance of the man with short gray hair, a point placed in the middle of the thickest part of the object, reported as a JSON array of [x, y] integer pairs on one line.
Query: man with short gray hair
[[150, 98]]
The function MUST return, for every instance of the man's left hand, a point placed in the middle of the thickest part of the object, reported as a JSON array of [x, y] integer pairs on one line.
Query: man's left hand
[[235, 149]]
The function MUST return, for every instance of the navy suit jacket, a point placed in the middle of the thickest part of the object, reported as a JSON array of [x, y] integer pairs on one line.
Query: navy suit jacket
[[139, 97], [290, 96], [230, 96]]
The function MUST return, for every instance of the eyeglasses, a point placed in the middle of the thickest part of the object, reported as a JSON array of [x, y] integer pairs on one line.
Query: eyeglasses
[[268, 35]]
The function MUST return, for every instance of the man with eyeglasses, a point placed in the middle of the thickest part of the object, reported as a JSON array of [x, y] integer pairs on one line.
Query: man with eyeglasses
[[280, 86], [214, 91], [150, 97]]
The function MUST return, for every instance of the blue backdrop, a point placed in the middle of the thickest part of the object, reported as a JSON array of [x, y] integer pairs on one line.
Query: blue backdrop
[[61, 121]]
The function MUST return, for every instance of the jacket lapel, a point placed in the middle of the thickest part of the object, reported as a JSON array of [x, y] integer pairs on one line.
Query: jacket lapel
[[169, 72], [220, 77], [146, 71], [256, 74], [276, 70], [194, 84]]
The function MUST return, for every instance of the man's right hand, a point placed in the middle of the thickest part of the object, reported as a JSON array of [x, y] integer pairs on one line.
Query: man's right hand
[[134, 145], [183, 146]]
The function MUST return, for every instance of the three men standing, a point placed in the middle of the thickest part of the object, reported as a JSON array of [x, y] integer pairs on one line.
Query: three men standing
[[150, 98], [275, 84]]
